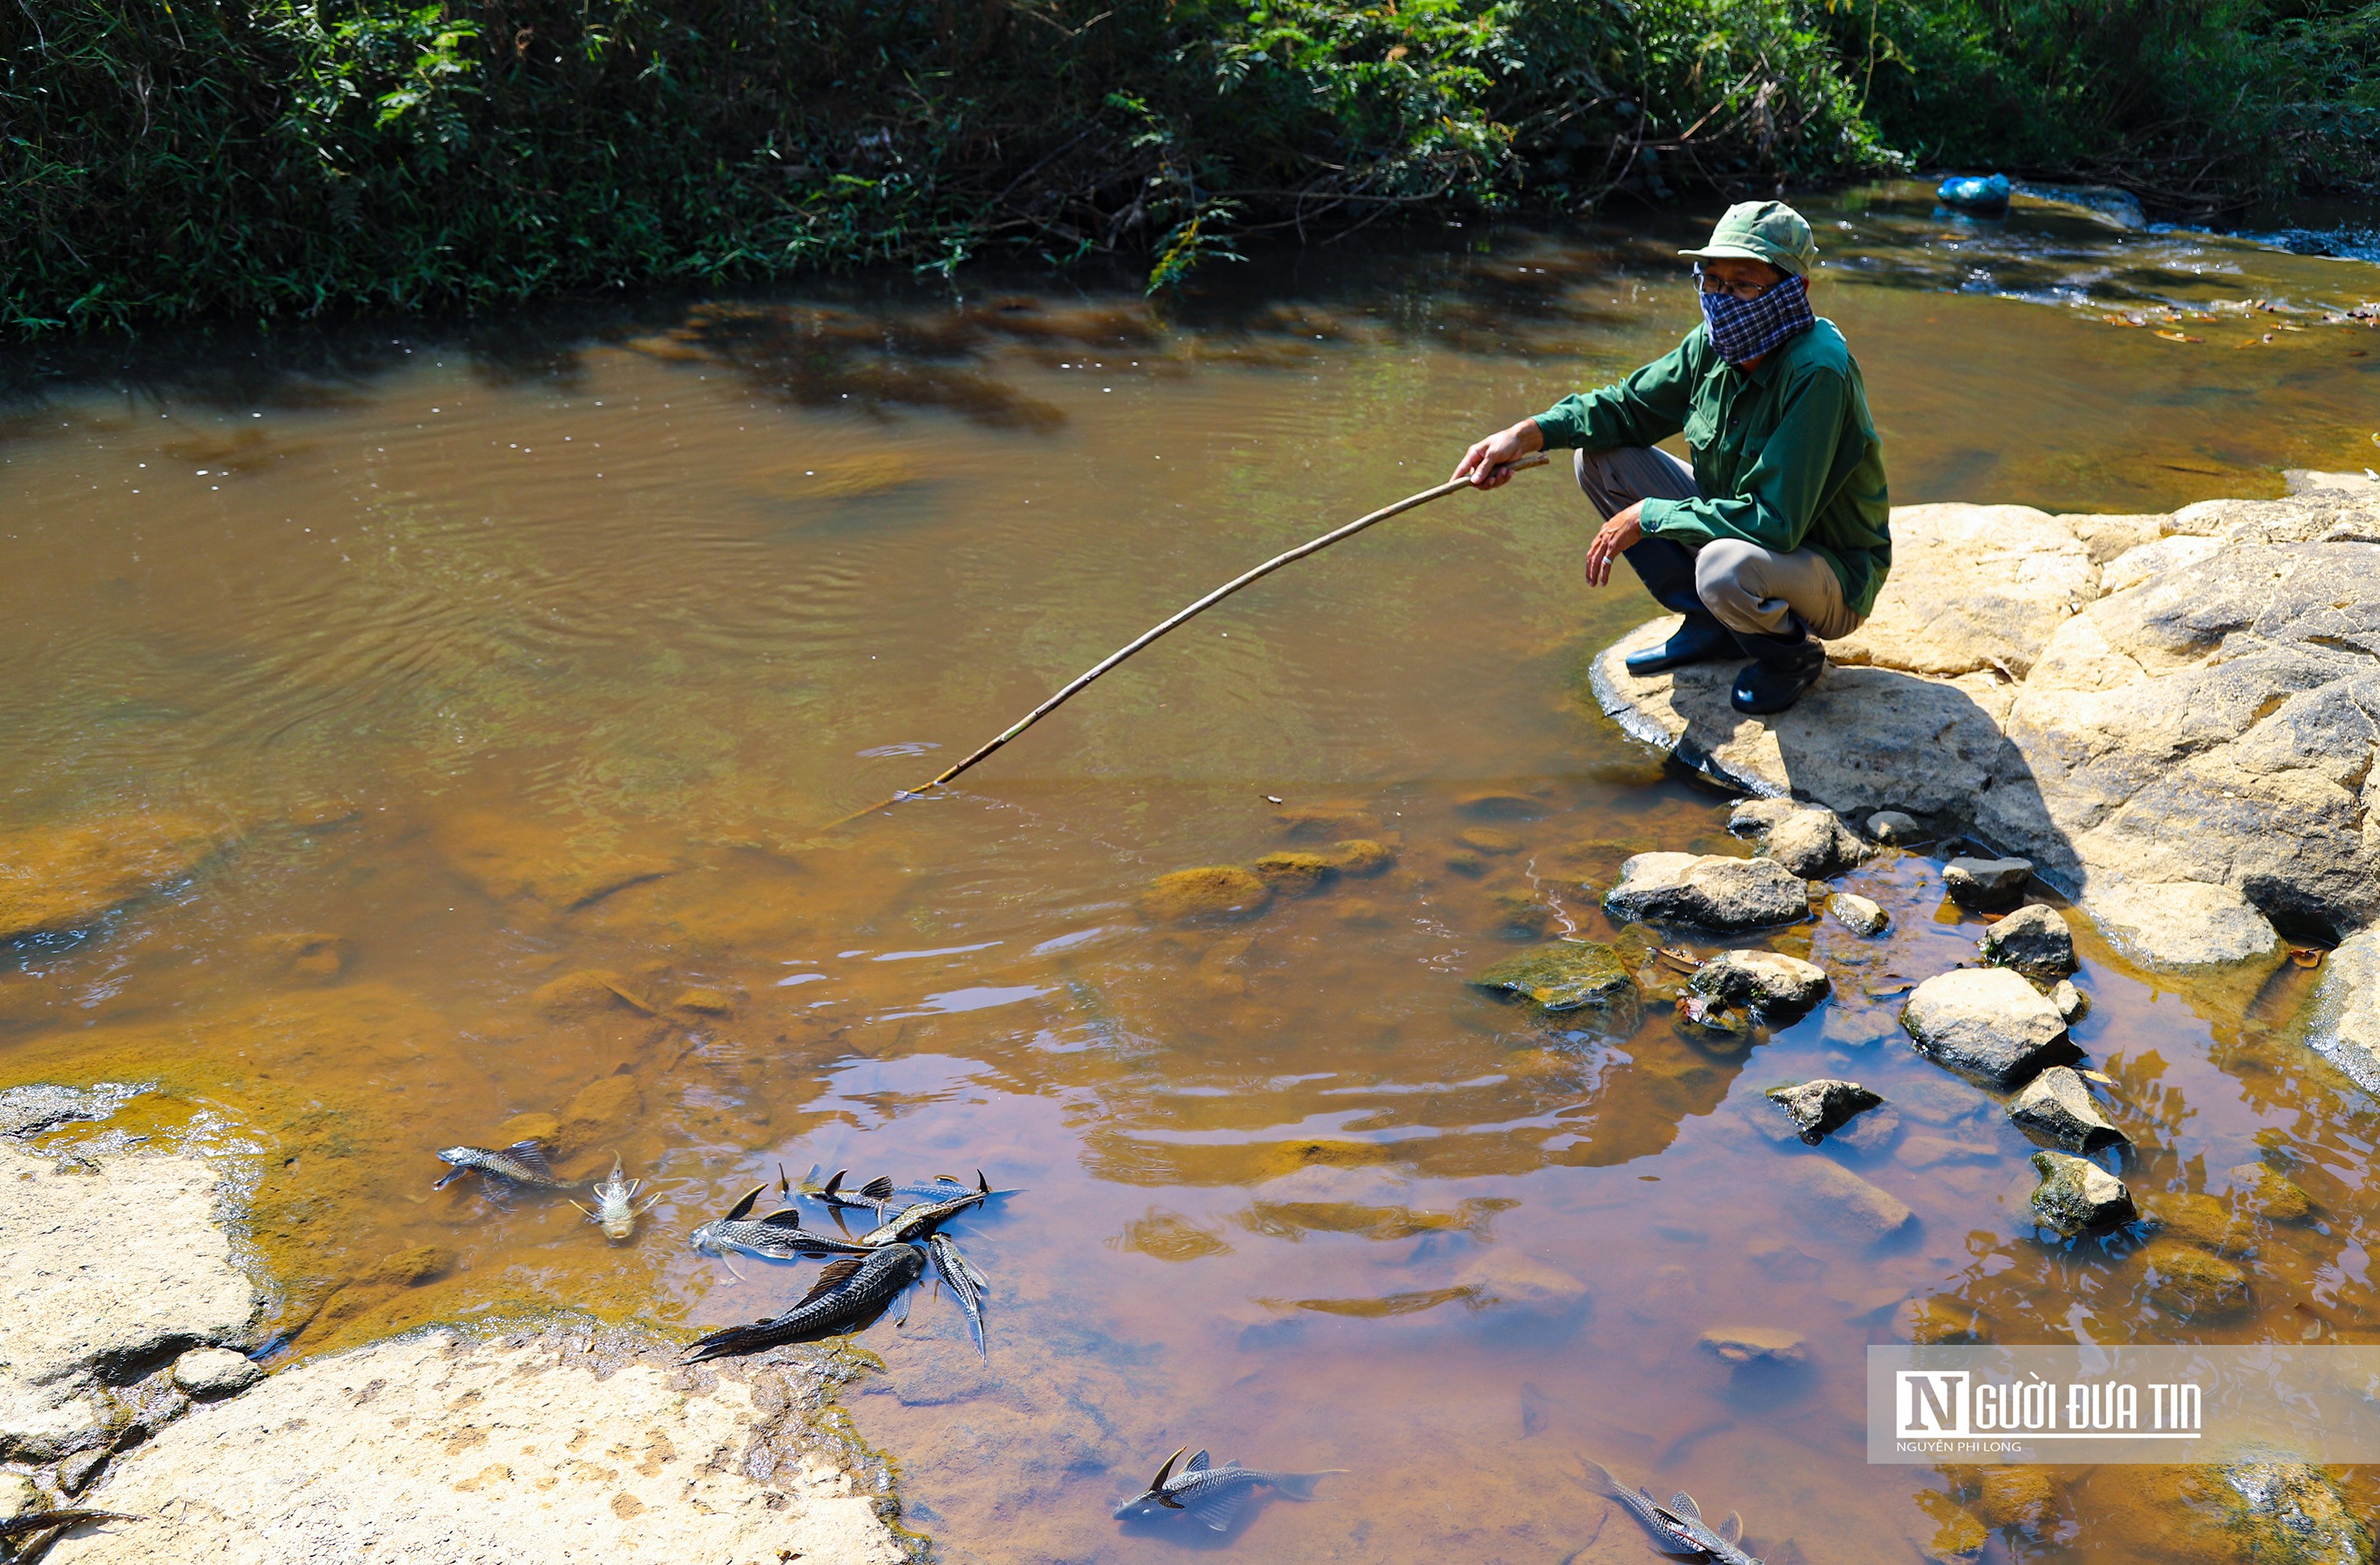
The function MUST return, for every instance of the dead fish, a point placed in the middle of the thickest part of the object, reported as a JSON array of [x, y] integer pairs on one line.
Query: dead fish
[[1213, 1495], [966, 1284], [616, 1210], [920, 1219], [777, 1237], [848, 1293], [522, 1163], [1678, 1527], [883, 1192], [41, 1520]]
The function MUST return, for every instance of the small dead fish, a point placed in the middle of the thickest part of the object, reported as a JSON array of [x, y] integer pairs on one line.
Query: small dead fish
[[777, 1237], [881, 1191], [923, 1218], [522, 1163], [616, 1210], [966, 1284], [1215, 1495], [1678, 1527], [849, 1292], [41, 1520]]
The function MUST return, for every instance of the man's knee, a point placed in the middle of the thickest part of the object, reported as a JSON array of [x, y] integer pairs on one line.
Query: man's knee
[[1724, 572]]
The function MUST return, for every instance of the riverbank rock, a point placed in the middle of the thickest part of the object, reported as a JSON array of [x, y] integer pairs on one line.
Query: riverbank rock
[[2189, 1284], [105, 1273], [2057, 1106], [1858, 913], [565, 1445], [207, 1373], [1818, 1108], [1765, 981], [2076, 1197], [54, 880], [1894, 828], [1710, 893], [1986, 1023], [1565, 975], [2343, 1022], [1755, 1344], [1980, 588], [1813, 844], [2034, 940], [2185, 757]]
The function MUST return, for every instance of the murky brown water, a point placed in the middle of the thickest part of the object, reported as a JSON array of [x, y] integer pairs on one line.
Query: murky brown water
[[498, 686]]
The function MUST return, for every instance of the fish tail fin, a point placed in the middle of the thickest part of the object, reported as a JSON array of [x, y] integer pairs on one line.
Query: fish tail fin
[[1599, 1478], [1300, 1485], [733, 1341], [449, 1177]]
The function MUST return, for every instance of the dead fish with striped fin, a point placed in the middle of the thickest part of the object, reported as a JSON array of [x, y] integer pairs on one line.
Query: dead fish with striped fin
[[1678, 1527], [777, 1237], [882, 1194], [966, 1284], [848, 1294], [521, 1163], [1215, 1495]]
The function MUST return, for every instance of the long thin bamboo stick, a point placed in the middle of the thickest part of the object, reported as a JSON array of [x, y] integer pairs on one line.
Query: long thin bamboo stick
[[1310, 546]]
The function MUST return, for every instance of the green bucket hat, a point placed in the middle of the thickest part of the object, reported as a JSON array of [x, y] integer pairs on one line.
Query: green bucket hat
[[1768, 231]]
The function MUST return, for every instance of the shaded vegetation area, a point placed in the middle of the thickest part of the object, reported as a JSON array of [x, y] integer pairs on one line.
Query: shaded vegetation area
[[268, 158]]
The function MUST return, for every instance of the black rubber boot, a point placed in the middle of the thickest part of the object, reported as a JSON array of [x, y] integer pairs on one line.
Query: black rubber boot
[[1782, 668], [1700, 640]]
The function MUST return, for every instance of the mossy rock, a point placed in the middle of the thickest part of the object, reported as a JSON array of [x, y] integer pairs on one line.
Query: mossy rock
[[2189, 1284], [1361, 857], [1296, 874], [1490, 840], [1218, 891], [2202, 1220], [1565, 975], [2266, 1510], [2272, 1195]]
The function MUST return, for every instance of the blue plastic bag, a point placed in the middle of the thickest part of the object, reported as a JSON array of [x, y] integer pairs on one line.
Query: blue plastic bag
[[1985, 197]]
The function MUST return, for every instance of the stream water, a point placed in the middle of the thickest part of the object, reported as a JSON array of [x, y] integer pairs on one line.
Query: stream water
[[500, 682]]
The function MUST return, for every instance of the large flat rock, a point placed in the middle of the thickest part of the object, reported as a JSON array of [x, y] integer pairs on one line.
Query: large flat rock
[[100, 1271], [60, 878], [559, 1447], [2189, 757]]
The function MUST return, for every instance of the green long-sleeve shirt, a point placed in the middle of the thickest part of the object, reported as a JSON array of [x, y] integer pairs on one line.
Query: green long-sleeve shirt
[[1785, 454]]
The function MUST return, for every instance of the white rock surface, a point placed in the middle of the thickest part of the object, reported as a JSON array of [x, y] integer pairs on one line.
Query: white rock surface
[[1972, 588], [442, 1447], [75, 1296], [2345, 1020], [1708, 892], [214, 1372], [2186, 757], [1986, 1023]]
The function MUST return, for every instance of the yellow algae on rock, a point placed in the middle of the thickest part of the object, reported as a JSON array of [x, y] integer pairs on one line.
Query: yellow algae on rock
[[1168, 1237], [2191, 1284], [305, 957], [1296, 874], [2271, 1195], [1321, 822], [1361, 857], [589, 991], [703, 1000], [1220, 890], [58, 879], [2022, 1497], [507, 857], [411, 1266], [602, 1108]]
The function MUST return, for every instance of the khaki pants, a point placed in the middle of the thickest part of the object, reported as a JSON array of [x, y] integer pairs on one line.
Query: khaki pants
[[1751, 590]]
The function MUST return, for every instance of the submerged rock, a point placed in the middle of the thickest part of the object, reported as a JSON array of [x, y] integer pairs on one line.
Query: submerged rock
[[2034, 940], [1490, 840], [2189, 1284], [1940, 1320], [1858, 913], [1221, 891], [2059, 1108], [1765, 981], [2268, 1510], [2190, 1216], [2076, 1197], [554, 1446], [1817, 1108], [1813, 844], [1296, 874], [1986, 882], [1361, 857], [2272, 1195], [1322, 822], [56, 879], [1985, 1023], [1755, 1344], [1712, 893], [1565, 975], [1502, 1277], [1835, 1198]]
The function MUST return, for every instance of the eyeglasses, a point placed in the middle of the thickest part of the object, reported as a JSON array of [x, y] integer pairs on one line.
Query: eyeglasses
[[1744, 291]]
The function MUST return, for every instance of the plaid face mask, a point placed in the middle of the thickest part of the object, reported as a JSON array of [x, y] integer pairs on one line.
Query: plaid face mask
[[1742, 329]]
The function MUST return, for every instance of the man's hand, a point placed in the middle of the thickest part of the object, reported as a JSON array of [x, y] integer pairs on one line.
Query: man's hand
[[1621, 532], [1488, 464]]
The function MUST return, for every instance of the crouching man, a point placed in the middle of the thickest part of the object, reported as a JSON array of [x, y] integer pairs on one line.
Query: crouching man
[[1774, 540]]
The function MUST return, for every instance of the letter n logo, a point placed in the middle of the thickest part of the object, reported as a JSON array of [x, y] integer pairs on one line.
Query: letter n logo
[[1931, 1402]]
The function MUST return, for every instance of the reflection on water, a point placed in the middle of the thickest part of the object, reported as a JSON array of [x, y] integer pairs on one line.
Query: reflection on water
[[448, 725]]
